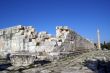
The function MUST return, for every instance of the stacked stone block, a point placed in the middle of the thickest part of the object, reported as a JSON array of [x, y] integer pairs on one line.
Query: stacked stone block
[[25, 38]]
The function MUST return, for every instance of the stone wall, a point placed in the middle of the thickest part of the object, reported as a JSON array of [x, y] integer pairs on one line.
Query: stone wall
[[25, 38], [70, 37], [17, 38]]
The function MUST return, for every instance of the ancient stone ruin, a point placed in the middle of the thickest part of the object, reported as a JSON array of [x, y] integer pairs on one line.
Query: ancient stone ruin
[[26, 45]]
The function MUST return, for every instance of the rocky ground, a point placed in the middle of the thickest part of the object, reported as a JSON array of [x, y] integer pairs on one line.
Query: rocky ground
[[91, 62]]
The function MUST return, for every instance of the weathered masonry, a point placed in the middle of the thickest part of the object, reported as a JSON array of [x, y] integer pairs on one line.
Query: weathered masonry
[[24, 38]]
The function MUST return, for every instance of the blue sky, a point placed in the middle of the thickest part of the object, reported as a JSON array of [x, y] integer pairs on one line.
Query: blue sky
[[83, 16]]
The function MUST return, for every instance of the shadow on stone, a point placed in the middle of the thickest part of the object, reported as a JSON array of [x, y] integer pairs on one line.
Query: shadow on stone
[[4, 66], [42, 62], [98, 66], [8, 57], [20, 70]]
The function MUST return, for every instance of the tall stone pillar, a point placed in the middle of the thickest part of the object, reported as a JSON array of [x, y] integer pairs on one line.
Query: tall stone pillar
[[98, 39]]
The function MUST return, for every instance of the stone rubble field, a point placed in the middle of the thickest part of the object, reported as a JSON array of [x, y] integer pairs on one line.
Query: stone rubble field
[[91, 62]]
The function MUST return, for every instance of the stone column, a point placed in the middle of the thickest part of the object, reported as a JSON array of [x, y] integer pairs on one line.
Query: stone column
[[98, 37]]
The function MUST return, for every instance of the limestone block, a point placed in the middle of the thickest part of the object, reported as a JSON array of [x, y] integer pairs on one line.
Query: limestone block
[[34, 41], [42, 35], [32, 48], [1, 33], [14, 30], [22, 59], [31, 43], [59, 43], [21, 32], [33, 36], [32, 30], [2, 44]]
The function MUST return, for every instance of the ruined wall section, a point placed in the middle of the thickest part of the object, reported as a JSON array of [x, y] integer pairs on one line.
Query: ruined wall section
[[25, 38], [65, 41], [17, 38], [72, 41]]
